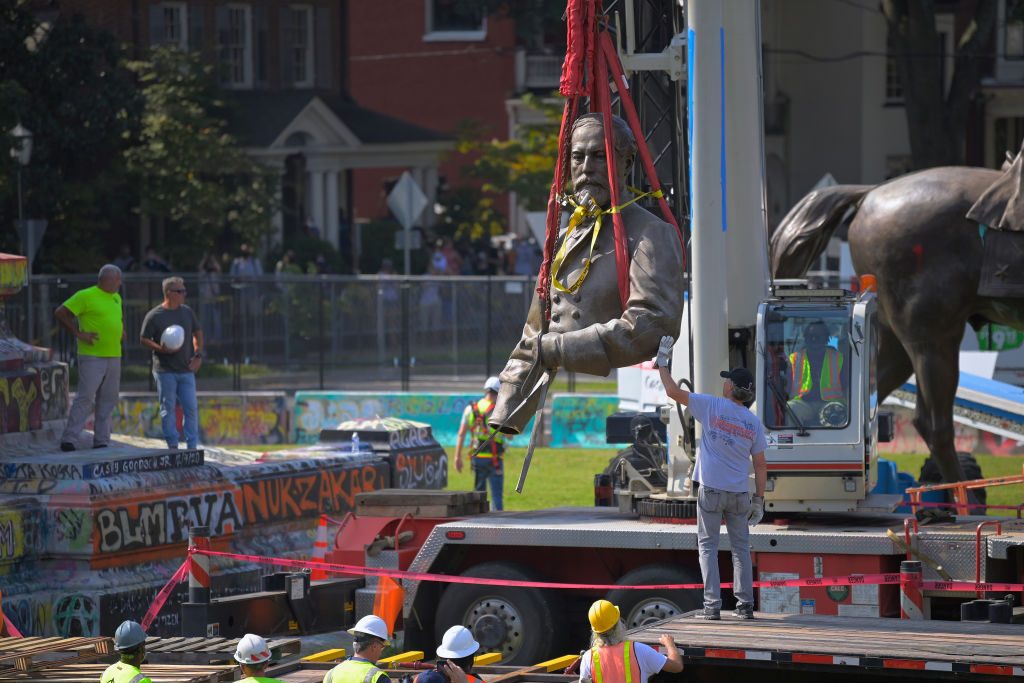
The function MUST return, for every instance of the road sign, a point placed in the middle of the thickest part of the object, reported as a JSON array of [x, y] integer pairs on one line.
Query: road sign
[[31, 231], [407, 201]]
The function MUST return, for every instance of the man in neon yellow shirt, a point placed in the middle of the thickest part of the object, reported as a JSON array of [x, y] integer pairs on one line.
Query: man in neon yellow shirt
[[94, 316]]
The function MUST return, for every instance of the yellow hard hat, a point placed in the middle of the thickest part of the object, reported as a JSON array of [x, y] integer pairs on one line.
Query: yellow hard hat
[[603, 616]]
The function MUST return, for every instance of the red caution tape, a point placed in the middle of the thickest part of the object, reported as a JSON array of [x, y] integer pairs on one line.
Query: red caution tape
[[852, 579], [12, 631], [161, 597], [972, 586]]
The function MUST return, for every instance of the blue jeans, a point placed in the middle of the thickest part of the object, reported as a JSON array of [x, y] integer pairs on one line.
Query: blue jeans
[[178, 387], [712, 506], [485, 472]]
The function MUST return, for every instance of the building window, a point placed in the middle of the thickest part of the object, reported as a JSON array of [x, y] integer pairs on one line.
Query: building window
[[170, 26], [1013, 31], [236, 46], [454, 20], [300, 35], [893, 82]]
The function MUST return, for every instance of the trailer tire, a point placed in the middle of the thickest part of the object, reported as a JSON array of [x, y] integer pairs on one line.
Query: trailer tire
[[644, 607], [524, 624], [968, 465]]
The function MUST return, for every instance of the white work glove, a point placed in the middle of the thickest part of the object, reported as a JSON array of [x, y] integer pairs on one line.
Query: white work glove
[[665, 352], [756, 510]]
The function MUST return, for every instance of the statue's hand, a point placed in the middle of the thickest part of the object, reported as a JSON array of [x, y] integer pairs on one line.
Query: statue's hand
[[665, 351]]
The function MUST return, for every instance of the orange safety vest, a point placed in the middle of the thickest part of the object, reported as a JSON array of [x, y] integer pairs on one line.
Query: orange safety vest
[[830, 385], [481, 410], [615, 664]]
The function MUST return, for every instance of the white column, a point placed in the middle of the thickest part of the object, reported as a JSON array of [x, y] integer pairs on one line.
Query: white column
[[747, 238], [331, 208], [430, 189], [706, 308], [316, 200], [707, 52]]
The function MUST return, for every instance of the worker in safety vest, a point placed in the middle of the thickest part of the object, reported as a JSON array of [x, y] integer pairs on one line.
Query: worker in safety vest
[[371, 637], [253, 657], [815, 378], [613, 659], [487, 462], [455, 657], [130, 643]]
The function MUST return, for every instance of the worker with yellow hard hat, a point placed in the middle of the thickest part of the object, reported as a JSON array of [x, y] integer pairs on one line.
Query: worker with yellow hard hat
[[613, 659]]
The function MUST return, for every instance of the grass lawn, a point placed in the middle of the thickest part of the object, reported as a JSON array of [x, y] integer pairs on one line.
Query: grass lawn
[[565, 476]]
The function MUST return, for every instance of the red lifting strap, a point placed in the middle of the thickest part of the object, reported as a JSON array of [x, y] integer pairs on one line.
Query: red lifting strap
[[590, 55]]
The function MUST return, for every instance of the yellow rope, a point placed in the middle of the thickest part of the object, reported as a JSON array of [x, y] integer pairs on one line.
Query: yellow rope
[[578, 216]]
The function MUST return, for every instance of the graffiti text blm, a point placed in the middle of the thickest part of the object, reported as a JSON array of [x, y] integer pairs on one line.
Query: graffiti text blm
[[160, 522]]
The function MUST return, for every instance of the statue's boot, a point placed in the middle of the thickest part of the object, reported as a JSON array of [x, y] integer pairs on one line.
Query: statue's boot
[[518, 397]]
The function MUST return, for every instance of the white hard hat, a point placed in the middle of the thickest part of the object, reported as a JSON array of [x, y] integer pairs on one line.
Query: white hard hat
[[371, 625], [252, 649], [458, 642], [173, 337], [128, 636], [492, 384]]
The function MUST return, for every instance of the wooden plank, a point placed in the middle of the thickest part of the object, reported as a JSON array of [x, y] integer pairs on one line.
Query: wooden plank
[[400, 658], [883, 638], [487, 658]]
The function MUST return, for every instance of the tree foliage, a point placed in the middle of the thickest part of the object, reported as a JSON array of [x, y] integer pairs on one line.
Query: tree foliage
[[937, 119], [523, 164], [63, 81], [189, 169]]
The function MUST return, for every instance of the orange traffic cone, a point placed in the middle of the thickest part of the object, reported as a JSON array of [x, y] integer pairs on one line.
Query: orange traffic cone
[[320, 549]]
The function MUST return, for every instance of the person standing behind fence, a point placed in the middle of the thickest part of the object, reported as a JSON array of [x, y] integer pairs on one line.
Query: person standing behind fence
[[245, 268], [488, 462], [174, 370], [95, 318]]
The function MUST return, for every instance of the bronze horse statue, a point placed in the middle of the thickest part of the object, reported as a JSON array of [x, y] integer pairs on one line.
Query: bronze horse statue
[[922, 236]]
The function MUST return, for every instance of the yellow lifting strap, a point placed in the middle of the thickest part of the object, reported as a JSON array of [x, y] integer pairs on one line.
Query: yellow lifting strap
[[579, 215]]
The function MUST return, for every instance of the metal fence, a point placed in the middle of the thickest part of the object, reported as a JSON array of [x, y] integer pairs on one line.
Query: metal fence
[[304, 332]]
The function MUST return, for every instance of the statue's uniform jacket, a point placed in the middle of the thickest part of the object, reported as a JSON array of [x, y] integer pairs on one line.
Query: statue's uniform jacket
[[589, 331]]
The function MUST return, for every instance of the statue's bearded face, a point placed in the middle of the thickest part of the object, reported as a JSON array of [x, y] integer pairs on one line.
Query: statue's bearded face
[[588, 164]]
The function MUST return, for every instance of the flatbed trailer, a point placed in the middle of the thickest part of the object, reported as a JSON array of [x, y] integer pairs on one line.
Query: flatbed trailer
[[797, 647], [604, 546]]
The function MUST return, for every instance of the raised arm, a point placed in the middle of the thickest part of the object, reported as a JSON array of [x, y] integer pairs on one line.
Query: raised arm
[[672, 390]]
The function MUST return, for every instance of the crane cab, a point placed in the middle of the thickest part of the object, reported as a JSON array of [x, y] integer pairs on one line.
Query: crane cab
[[816, 394]]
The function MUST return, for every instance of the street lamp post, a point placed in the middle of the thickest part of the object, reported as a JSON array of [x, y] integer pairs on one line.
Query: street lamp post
[[21, 151]]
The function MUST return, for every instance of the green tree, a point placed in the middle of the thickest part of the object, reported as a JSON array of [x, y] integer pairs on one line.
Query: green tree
[[523, 164], [937, 117], [65, 82], [188, 168]]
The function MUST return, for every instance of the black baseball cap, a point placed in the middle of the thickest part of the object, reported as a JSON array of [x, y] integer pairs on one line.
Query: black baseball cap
[[741, 377]]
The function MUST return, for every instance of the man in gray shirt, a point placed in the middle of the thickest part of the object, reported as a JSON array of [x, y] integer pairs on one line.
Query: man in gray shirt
[[174, 371]]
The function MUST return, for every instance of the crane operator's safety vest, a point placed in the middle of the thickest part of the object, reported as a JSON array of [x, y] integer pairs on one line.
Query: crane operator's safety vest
[[121, 672], [354, 671], [615, 664], [830, 385], [479, 429]]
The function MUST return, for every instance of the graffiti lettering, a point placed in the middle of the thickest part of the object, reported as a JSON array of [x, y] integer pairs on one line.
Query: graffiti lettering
[[422, 470], [7, 539], [160, 522], [20, 403], [307, 495], [53, 387]]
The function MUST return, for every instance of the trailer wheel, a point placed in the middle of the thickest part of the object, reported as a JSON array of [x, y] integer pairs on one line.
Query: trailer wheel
[[639, 608], [968, 465], [523, 624]]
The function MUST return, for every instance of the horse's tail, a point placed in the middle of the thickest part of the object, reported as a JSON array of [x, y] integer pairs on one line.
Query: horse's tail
[[807, 228]]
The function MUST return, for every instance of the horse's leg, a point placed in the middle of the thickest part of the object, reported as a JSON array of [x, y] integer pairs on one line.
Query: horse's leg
[[937, 372], [894, 366]]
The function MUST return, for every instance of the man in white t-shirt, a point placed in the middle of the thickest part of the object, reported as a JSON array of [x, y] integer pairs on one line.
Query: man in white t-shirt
[[731, 436]]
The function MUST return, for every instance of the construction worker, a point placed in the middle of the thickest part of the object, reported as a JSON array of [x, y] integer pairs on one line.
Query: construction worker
[[253, 657], [130, 643], [487, 462], [454, 658], [613, 659], [815, 379], [371, 637]]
